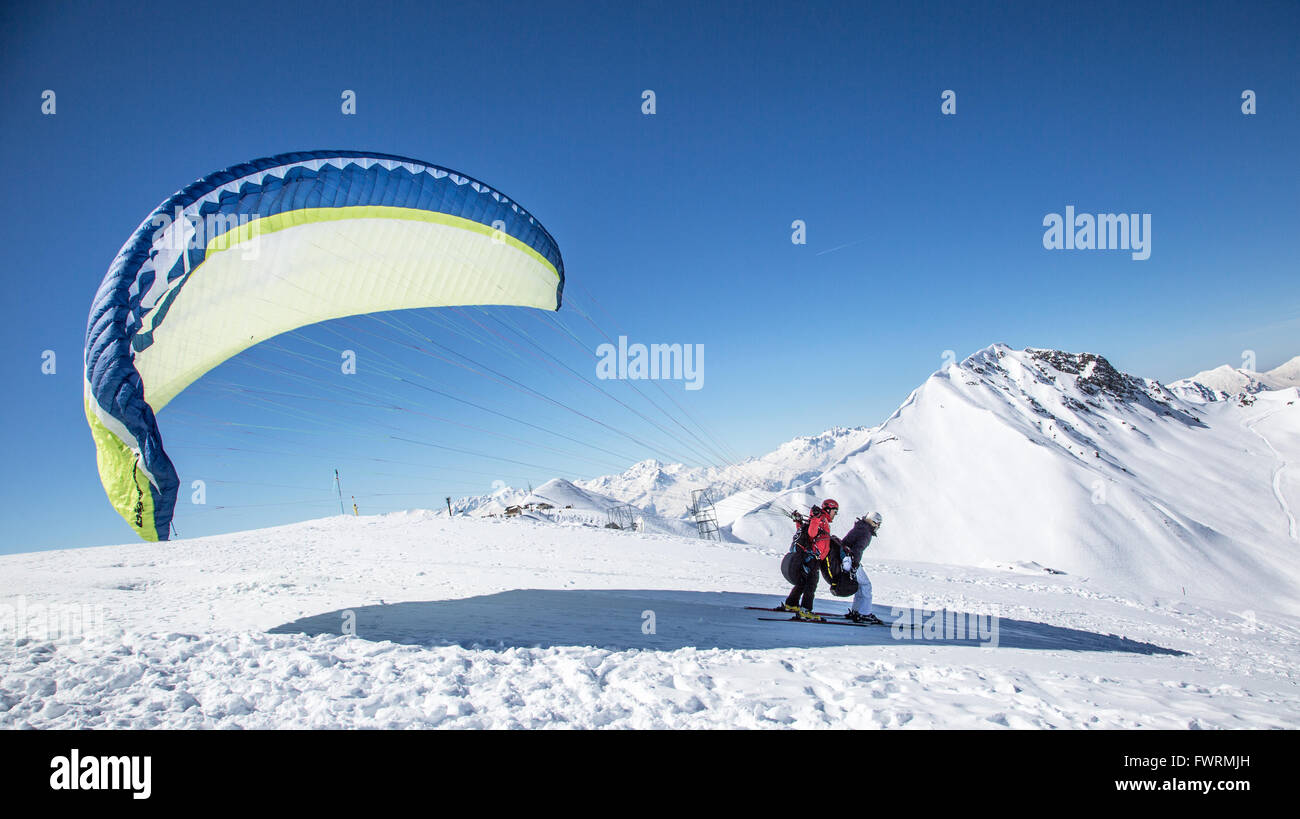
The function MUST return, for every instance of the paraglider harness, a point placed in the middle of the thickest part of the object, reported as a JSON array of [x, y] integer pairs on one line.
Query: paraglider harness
[[842, 583], [802, 540]]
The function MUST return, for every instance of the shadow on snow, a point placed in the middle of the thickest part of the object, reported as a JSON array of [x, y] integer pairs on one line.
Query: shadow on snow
[[618, 619]]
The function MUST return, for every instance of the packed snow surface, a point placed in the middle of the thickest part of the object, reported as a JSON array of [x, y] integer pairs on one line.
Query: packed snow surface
[[417, 620]]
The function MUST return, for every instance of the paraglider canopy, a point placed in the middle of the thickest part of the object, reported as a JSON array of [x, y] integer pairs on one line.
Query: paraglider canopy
[[268, 246]]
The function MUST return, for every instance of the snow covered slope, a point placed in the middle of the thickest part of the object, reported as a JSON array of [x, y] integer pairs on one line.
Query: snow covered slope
[[1286, 375], [418, 620], [556, 492], [1056, 458], [562, 501]]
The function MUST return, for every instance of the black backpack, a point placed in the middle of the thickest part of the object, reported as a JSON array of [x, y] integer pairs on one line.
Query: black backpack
[[842, 583]]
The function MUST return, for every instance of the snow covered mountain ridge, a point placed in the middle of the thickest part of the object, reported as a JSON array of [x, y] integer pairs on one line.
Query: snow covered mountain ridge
[[666, 489], [1225, 382], [663, 491]]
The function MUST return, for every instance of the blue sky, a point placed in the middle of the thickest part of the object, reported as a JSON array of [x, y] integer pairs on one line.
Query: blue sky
[[924, 231]]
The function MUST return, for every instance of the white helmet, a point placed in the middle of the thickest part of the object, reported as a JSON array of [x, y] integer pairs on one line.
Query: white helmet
[[874, 520]]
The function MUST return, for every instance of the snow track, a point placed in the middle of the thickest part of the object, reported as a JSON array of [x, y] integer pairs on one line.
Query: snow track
[[1277, 472]]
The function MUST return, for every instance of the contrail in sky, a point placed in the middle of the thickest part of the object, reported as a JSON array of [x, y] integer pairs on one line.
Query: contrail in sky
[[841, 247]]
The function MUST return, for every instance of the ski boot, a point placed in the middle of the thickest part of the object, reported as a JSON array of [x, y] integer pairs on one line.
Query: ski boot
[[805, 614], [868, 618], [789, 608]]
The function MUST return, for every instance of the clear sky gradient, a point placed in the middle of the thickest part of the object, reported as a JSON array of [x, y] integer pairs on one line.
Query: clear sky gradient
[[924, 231]]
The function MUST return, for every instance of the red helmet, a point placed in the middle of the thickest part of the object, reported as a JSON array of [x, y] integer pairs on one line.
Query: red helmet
[[830, 505]]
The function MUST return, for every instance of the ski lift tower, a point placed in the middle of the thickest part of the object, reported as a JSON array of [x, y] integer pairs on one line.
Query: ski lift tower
[[706, 517], [622, 516]]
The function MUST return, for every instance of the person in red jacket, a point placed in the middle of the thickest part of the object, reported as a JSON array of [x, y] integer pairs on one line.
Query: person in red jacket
[[815, 543]]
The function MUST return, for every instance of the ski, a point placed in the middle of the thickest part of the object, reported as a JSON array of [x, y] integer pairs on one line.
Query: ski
[[830, 622], [779, 609]]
